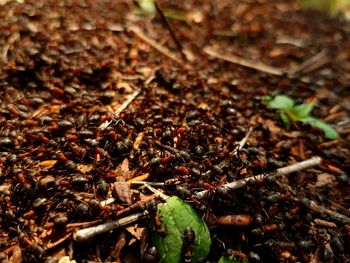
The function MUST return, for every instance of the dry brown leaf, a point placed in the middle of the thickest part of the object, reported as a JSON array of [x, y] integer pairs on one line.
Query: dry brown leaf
[[121, 85], [123, 173], [331, 168], [324, 178], [66, 259], [273, 128], [60, 253], [16, 255], [119, 245], [122, 192], [55, 108], [84, 168], [142, 177], [48, 164], [203, 106], [196, 16], [138, 140], [276, 52], [136, 231]]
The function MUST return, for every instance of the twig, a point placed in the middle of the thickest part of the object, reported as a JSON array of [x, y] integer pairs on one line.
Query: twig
[[166, 147], [165, 21], [333, 215], [137, 31], [281, 171], [157, 192], [245, 63], [243, 141], [311, 64], [107, 201], [142, 204], [87, 233], [237, 149], [122, 107], [149, 183], [58, 242], [324, 223], [83, 224]]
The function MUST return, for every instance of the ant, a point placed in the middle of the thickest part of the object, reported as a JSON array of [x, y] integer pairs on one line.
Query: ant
[[160, 228], [189, 237]]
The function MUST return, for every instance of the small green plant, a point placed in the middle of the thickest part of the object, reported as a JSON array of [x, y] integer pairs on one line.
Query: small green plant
[[291, 113]]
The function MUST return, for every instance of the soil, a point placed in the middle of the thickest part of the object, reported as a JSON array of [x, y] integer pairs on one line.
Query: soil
[[67, 67]]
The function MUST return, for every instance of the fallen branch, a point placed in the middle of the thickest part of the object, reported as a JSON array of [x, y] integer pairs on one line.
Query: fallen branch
[[259, 66], [281, 171], [137, 31], [87, 233]]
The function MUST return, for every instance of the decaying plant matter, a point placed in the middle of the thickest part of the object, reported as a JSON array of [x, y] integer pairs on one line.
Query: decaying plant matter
[[101, 102]]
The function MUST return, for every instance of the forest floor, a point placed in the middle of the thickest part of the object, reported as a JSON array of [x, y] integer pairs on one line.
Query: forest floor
[[95, 96]]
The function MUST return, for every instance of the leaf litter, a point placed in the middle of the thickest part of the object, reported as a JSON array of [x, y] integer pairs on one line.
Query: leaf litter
[[93, 95]]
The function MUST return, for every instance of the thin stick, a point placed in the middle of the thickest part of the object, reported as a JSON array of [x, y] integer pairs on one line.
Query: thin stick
[[259, 66], [149, 183], [137, 31], [83, 224], [87, 233], [142, 204], [316, 61], [138, 205], [238, 148], [166, 147], [58, 242], [281, 171], [165, 21], [107, 201], [243, 141], [157, 192], [122, 107], [333, 215]]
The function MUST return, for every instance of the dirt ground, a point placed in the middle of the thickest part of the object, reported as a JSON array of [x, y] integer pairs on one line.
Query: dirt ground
[[96, 95]]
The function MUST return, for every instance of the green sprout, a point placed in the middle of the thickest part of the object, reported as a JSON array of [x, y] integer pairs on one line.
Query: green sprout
[[291, 113]]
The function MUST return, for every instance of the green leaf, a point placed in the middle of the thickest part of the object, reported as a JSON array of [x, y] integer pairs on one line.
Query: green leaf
[[285, 118], [176, 215], [146, 6], [302, 110], [231, 259], [266, 98], [330, 132], [332, 7], [175, 14], [281, 102]]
